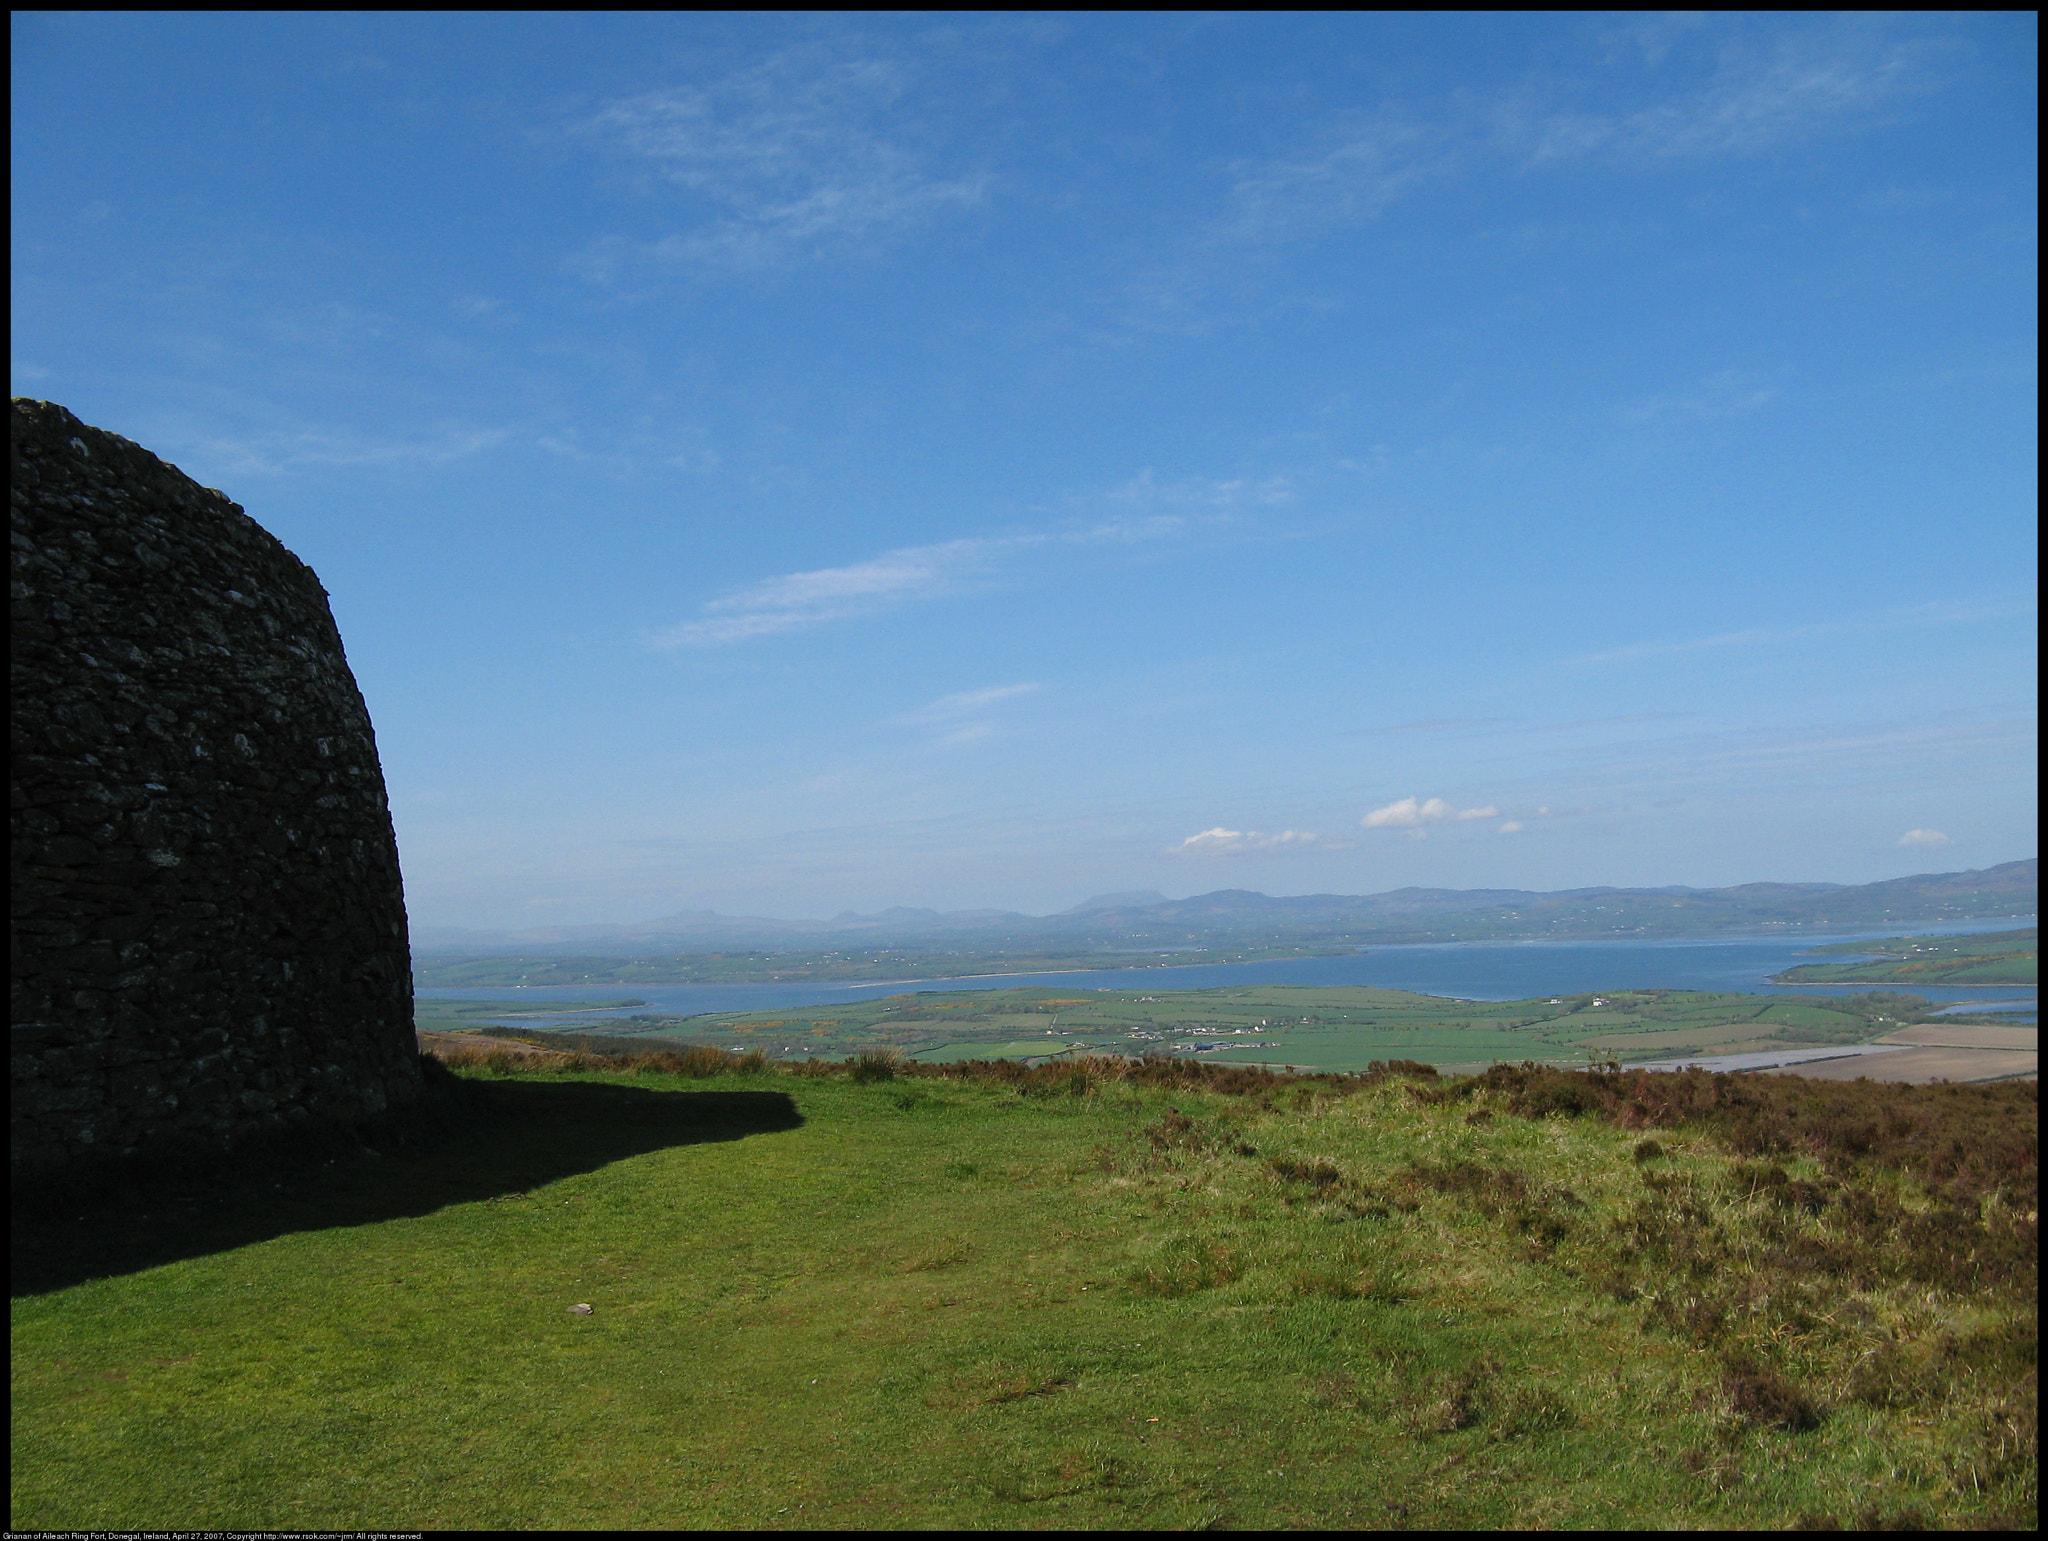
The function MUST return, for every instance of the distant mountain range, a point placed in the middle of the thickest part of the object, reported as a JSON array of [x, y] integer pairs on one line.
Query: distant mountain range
[[1239, 917]]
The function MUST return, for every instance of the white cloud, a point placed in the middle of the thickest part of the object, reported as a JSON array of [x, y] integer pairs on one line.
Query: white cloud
[[272, 453], [1802, 84], [1750, 96], [1623, 771], [1347, 178], [1932, 613], [1753, 637], [1511, 828], [1726, 91], [1725, 394], [962, 702], [621, 451], [1201, 494], [1408, 813], [1215, 842], [1923, 837], [796, 601], [1432, 725], [800, 155], [1699, 88]]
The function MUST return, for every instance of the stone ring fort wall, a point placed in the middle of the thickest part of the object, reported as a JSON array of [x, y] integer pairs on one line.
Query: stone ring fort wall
[[209, 935]]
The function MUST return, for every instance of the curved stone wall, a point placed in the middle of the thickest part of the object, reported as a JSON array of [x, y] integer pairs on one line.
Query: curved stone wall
[[209, 930]]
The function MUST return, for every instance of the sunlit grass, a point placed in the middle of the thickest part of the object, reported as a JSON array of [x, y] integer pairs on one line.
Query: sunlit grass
[[1057, 1299]]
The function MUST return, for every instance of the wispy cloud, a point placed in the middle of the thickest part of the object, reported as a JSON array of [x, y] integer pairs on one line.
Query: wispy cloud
[[1137, 511], [1898, 754], [284, 450], [1934, 613], [1923, 837], [1429, 725], [1752, 637], [1348, 173], [622, 450], [796, 601], [799, 155], [1749, 89], [963, 703], [1699, 88], [1138, 504], [1725, 394], [1341, 173], [966, 734], [1410, 813], [1220, 841]]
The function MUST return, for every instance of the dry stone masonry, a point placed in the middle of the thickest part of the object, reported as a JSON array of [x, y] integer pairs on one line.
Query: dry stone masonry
[[209, 934]]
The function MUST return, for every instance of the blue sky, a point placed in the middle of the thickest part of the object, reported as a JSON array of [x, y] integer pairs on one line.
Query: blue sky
[[783, 464]]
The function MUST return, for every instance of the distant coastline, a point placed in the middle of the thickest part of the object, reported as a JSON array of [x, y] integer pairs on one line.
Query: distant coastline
[[883, 968]]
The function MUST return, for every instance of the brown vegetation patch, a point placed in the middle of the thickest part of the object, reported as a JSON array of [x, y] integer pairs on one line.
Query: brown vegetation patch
[[1540, 1211], [1759, 1395], [476, 1046], [1967, 1036], [1961, 1142], [1919, 1066]]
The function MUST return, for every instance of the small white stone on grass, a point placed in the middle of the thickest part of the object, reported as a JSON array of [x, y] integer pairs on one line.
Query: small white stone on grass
[[580, 1309]]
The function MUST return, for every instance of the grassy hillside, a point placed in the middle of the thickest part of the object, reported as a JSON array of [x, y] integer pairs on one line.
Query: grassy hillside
[[1995, 958], [1323, 1028], [1085, 1295]]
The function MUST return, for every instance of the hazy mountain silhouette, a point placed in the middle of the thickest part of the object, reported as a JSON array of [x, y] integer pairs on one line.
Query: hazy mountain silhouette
[[1147, 918]]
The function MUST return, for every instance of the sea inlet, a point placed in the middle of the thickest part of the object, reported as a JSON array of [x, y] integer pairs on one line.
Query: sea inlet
[[1488, 971]]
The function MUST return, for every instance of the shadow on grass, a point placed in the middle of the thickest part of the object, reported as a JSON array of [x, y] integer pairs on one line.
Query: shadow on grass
[[485, 1139]]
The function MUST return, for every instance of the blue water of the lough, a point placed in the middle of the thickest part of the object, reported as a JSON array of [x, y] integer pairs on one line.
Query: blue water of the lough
[[1483, 971]]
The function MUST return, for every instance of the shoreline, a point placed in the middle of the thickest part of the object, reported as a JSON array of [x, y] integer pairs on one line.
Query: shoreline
[[1842, 984], [1357, 949]]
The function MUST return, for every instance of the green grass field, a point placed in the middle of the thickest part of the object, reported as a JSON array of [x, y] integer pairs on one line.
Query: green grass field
[[1062, 1298]]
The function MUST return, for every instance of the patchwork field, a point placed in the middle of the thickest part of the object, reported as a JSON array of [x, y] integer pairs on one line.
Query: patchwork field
[[1336, 1029]]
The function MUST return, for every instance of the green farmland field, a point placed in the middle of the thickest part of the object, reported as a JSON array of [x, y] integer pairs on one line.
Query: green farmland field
[[1327, 1028]]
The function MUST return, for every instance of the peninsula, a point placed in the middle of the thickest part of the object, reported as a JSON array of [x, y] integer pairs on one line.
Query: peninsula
[[1993, 958]]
